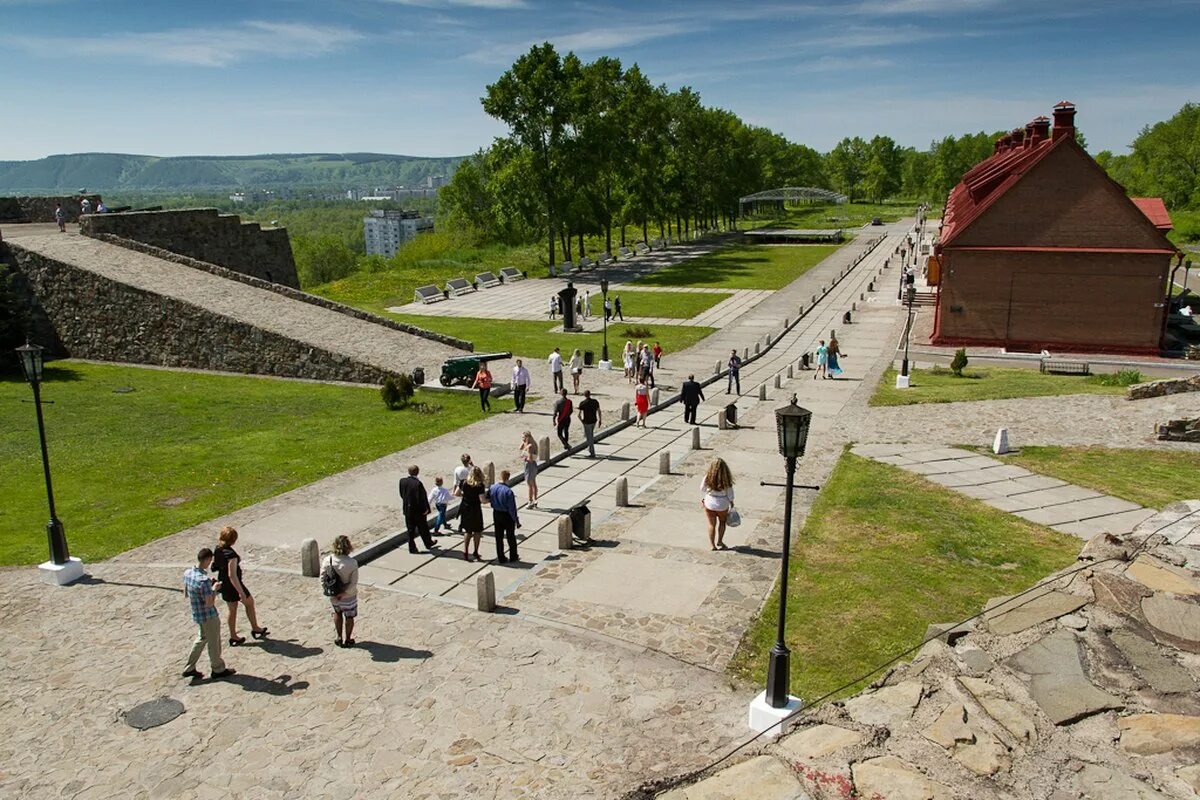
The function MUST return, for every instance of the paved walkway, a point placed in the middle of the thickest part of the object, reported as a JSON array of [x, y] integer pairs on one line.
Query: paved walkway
[[1037, 498]]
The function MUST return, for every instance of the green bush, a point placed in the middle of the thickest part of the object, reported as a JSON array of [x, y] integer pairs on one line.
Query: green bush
[[397, 391], [1125, 377], [959, 363], [322, 259]]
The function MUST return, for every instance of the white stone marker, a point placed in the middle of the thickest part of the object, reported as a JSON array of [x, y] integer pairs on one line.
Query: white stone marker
[[565, 537], [485, 591], [791, 371], [622, 492], [654, 397], [544, 449], [624, 411], [664, 462], [1000, 446], [902, 381], [310, 558], [695, 438], [722, 421]]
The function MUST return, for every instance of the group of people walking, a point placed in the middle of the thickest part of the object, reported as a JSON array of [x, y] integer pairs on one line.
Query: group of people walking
[[583, 307]]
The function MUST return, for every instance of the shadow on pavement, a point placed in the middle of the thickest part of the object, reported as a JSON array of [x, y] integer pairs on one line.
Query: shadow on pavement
[[278, 687], [288, 648], [390, 653]]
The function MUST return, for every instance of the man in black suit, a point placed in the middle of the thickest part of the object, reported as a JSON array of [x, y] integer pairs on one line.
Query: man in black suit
[[415, 501], [692, 393]]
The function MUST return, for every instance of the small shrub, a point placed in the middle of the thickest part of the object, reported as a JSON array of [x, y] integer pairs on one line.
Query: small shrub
[[959, 363], [1124, 377], [637, 333], [396, 391]]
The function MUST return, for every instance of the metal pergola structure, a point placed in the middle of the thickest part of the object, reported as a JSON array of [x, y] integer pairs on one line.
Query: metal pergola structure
[[786, 193]]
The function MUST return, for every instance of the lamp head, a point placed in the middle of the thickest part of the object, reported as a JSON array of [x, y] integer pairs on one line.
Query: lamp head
[[792, 422], [31, 361], [604, 285]]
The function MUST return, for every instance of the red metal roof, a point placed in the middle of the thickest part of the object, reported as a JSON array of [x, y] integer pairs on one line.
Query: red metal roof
[[1155, 210], [1048, 249]]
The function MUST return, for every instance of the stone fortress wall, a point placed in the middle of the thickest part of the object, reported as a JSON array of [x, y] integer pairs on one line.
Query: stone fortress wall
[[41, 209], [205, 234]]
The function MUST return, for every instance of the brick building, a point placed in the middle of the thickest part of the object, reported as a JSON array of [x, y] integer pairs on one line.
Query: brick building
[[1040, 249]]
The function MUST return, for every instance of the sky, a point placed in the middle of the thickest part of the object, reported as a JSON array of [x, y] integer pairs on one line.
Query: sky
[[212, 77]]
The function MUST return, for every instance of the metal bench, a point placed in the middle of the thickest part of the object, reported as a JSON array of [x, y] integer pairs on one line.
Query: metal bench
[[487, 280], [641, 248], [458, 286], [625, 252], [605, 259], [1060, 366], [510, 274], [428, 294], [585, 263]]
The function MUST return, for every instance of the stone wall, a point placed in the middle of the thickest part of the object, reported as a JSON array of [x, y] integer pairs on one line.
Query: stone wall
[[1142, 391], [1179, 430], [97, 318], [41, 209], [207, 235]]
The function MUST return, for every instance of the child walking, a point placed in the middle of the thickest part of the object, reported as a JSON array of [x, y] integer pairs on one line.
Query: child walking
[[439, 498]]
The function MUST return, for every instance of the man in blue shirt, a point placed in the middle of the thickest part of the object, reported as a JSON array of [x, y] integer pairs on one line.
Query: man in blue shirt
[[735, 366], [504, 517], [202, 599]]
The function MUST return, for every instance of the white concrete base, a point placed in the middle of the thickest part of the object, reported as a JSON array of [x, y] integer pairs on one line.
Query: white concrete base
[[902, 381], [61, 574], [769, 721], [605, 365], [1000, 445]]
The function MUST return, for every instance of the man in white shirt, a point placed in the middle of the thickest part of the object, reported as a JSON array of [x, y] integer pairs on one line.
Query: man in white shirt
[[556, 369], [520, 385], [587, 304]]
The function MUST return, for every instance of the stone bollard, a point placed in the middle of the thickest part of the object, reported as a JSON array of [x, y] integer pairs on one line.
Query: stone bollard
[[791, 371], [854, 306], [762, 392], [786, 323], [310, 558], [664, 462], [544, 449], [654, 397], [722, 421], [565, 537], [814, 300], [871, 286], [778, 381], [757, 348], [745, 353], [485, 591], [624, 411], [695, 438], [489, 473], [861, 296], [717, 369], [1000, 446], [622, 492]]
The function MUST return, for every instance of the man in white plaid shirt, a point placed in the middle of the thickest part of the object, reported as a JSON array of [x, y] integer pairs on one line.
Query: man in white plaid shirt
[[202, 600]]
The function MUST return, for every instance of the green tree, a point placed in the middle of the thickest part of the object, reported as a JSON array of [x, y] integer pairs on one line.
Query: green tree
[[847, 164], [322, 259], [1166, 159]]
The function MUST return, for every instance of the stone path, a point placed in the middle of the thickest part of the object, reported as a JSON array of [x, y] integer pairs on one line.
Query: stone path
[[1037, 498]]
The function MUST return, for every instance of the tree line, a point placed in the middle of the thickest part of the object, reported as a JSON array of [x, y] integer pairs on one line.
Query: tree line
[[1163, 161]]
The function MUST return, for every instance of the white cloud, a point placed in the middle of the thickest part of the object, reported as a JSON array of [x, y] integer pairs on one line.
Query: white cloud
[[606, 38], [201, 47]]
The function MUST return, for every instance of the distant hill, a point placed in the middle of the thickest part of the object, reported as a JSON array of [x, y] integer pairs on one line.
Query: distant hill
[[101, 172]]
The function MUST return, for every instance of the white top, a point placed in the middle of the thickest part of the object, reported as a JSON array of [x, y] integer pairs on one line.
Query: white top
[[716, 501], [555, 362], [520, 376], [576, 363], [347, 569], [440, 494], [460, 473]]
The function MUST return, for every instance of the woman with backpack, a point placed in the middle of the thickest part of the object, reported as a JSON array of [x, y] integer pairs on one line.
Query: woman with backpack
[[339, 582]]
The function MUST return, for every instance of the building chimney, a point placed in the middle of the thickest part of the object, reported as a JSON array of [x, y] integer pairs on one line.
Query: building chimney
[[1018, 138], [1064, 120], [1029, 135], [1041, 130], [1007, 141]]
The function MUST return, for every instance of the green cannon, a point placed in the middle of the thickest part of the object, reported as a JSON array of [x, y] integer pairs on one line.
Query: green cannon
[[462, 369]]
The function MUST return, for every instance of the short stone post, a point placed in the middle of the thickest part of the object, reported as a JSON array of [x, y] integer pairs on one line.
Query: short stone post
[[654, 397], [695, 438], [722, 421], [565, 537], [791, 372], [786, 323], [871, 286], [745, 353], [310, 558], [757, 348], [622, 492], [1000, 446], [664, 462], [489, 473], [777, 382], [624, 411], [862, 296], [762, 392], [717, 369], [544, 449], [854, 306], [485, 591], [814, 300]]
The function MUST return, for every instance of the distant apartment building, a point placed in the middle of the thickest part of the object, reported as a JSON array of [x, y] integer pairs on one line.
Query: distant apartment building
[[385, 231]]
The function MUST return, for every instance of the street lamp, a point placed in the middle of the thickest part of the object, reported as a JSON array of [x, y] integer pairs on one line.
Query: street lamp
[[604, 362], [61, 568], [903, 379], [769, 709]]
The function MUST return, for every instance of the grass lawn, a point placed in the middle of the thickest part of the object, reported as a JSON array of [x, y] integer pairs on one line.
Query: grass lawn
[[831, 216], [182, 448], [883, 554], [990, 383], [676, 305], [1153, 478], [742, 266], [535, 340]]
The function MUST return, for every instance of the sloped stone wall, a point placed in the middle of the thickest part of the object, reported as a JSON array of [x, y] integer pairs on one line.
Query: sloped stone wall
[[1162, 388]]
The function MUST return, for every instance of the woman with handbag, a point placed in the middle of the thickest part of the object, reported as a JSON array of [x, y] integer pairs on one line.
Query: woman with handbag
[[716, 492], [345, 600], [470, 511]]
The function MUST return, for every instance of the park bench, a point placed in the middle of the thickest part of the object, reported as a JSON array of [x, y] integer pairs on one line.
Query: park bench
[[1061, 366], [486, 280], [510, 274], [641, 248], [428, 294], [459, 286], [605, 259], [625, 252], [585, 263]]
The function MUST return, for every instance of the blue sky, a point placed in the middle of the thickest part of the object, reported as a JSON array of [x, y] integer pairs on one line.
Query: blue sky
[[405, 76]]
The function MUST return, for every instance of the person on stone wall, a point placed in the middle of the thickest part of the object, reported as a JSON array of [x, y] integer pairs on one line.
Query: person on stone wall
[[60, 216]]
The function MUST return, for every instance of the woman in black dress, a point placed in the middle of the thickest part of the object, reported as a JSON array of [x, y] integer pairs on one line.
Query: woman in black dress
[[228, 566], [471, 511]]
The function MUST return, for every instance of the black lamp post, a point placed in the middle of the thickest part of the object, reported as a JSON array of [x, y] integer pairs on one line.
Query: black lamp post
[[912, 293], [792, 422], [31, 364], [604, 291]]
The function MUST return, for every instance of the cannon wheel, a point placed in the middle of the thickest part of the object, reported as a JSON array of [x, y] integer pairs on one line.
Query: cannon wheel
[[443, 380]]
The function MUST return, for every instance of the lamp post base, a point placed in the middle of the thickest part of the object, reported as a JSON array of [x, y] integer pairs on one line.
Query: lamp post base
[[61, 574], [769, 721], [902, 382], [606, 365]]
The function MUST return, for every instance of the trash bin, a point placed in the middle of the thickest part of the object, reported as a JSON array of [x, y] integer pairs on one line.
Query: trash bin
[[731, 413], [418, 376], [589, 358], [581, 521]]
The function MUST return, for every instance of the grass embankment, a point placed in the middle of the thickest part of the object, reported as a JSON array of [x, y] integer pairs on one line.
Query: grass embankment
[[742, 266], [535, 340], [828, 216], [674, 305], [883, 554], [1152, 478], [183, 448], [940, 385]]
